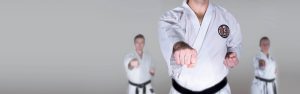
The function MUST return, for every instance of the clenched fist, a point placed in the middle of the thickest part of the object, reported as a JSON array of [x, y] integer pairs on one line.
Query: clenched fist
[[134, 63], [231, 60], [184, 54], [152, 72]]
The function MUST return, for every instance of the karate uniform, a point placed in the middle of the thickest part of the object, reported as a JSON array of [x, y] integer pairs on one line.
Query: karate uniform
[[140, 77], [264, 81], [211, 39]]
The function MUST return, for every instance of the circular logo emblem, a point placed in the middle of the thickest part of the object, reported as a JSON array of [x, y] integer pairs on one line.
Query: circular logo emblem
[[224, 31]]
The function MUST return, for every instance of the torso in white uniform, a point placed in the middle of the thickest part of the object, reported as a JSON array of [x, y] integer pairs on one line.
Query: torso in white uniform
[[140, 74], [269, 72], [181, 24]]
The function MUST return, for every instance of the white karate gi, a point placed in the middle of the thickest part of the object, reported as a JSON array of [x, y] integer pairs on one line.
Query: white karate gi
[[181, 24], [139, 75], [269, 72]]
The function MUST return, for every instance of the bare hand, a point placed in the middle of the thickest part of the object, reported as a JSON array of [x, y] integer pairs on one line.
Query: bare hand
[[184, 54], [152, 72], [134, 63], [231, 60]]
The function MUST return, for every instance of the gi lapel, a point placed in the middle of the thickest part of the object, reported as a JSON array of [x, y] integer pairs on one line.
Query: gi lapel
[[203, 28]]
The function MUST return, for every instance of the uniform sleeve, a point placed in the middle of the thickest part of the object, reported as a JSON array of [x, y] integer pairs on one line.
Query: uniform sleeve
[[276, 67], [276, 74], [127, 59], [257, 70], [170, 32], [152, 65], [255, 63], [234, 41]]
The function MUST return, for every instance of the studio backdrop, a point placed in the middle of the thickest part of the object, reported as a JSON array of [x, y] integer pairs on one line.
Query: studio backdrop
[[78, 46]]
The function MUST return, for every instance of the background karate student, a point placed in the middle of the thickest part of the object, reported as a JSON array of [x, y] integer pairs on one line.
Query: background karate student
[[139, 68], [265, 70]]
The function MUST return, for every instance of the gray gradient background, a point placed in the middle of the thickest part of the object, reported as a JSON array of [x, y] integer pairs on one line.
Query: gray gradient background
[[77, 46]]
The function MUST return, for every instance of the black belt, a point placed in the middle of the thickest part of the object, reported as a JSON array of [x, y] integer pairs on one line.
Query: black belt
[[266, 84], [143, 85], [212, 90]]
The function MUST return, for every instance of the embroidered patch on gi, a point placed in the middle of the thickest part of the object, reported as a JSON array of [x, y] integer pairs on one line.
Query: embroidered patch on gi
[[224, 31]]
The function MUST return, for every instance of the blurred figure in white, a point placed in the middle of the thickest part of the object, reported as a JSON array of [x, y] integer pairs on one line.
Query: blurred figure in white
[[139, 68], [265, 70]]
